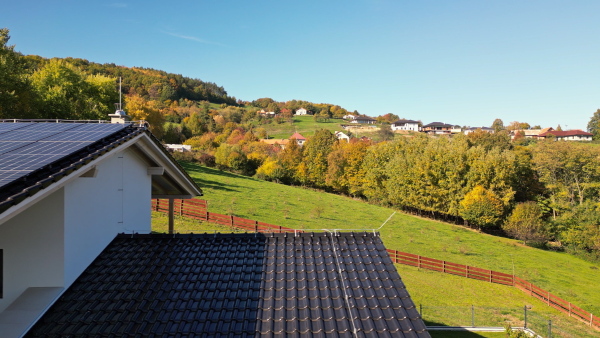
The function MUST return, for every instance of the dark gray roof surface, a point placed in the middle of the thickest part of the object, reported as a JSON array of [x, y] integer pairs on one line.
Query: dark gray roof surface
[[238, 285]]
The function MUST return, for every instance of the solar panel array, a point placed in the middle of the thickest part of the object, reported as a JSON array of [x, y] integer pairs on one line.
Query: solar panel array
[[28, 146]]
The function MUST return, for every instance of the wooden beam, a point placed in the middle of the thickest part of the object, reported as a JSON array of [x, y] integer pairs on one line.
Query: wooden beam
[[171, 211]]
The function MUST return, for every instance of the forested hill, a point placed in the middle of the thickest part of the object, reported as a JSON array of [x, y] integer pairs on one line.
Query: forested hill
[[151, 84]]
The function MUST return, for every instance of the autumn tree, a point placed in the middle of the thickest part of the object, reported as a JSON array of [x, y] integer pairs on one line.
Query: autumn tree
[[481, 207], [290, 159], [345, 172], [516, 125], [313, 168], [525, 223], [140, 109], [375, 166], [570, 171], [497, 125]]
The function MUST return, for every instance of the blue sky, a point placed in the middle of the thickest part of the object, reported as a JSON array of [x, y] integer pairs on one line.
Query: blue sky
[[460, 62]]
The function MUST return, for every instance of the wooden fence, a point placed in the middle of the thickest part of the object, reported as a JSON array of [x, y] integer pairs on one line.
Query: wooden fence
[[198, 209]]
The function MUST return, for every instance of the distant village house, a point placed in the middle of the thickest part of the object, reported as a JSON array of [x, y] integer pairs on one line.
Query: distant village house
[[408, 125]]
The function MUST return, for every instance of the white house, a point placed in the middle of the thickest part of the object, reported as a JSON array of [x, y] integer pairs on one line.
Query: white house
[[364, 120], [66, 191], [301, 111], [299, 138], [341, 136], [403, 124], [568, 135], [180, 148]]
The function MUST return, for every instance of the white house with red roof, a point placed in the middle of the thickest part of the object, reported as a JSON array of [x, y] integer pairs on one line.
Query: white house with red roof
[[299, 138], [568, 135]]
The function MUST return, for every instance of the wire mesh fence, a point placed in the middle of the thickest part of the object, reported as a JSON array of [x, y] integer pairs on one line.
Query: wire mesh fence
[[542, 323]]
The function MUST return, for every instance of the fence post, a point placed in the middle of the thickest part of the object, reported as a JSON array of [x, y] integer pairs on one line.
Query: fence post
[[591, 319], [419, 259], [444, 266], [569, 309], [157, 201], [472, 315], [207, 215], [255, 226], [421, 310], [181, 207], [231, 217], [548, 298], [467, 272], [549, 328], [525, 311], [530, 290], [490, 276]]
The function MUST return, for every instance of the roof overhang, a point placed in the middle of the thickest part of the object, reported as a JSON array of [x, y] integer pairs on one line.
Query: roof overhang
[[173, 183]]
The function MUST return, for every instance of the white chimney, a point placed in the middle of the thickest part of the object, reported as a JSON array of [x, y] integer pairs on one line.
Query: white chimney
[[119, 117]]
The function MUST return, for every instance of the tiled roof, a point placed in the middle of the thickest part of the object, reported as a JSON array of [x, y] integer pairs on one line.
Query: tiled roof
[[437, 124], [566, 133], [237, 285], [402, 121], [297, 136]]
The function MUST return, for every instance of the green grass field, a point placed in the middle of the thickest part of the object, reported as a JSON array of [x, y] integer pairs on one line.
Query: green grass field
[[569, 277], [306, 125]]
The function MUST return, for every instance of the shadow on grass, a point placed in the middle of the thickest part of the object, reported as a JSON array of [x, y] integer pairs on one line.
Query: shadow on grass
[[451, 334], [191, 167]]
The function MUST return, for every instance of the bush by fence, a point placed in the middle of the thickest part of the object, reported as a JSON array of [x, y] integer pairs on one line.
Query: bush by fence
[[198, 209]]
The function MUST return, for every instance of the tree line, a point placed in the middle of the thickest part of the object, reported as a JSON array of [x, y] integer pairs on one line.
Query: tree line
[[545, 193]]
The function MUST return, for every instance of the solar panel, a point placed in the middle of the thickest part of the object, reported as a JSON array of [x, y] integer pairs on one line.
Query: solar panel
[[26, 147], [4, 127]]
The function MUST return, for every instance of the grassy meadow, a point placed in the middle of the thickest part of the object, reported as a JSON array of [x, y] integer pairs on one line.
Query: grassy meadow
[[306, 125], [566, 276]]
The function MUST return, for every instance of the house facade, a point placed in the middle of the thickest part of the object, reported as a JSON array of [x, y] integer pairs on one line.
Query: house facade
[[437, 128], [342, 136], [299, 138], [301, 111], [567, 135], [408, 125], [363, 120]]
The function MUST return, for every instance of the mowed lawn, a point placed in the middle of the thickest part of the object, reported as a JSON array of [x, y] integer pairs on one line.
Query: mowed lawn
[[569, 277], [305, 125]]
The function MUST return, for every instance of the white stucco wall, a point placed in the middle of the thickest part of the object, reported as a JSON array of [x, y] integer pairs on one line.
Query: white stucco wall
[[97, 208], [50, 243], [33, 248]]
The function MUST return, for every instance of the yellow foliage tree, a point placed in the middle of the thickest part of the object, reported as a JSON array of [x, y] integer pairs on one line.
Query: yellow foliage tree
[[140, 109], [481, 207]]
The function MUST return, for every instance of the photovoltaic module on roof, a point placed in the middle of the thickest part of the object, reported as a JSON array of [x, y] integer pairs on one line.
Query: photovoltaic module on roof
[[27, 147]]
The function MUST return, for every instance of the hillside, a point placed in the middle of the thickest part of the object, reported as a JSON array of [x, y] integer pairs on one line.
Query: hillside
[[569, 277]]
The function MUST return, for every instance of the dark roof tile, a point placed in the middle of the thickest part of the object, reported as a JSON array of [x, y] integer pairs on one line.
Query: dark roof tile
[[238, 285]]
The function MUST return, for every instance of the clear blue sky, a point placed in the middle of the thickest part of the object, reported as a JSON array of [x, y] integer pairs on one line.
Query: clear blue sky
[[461, 62]]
